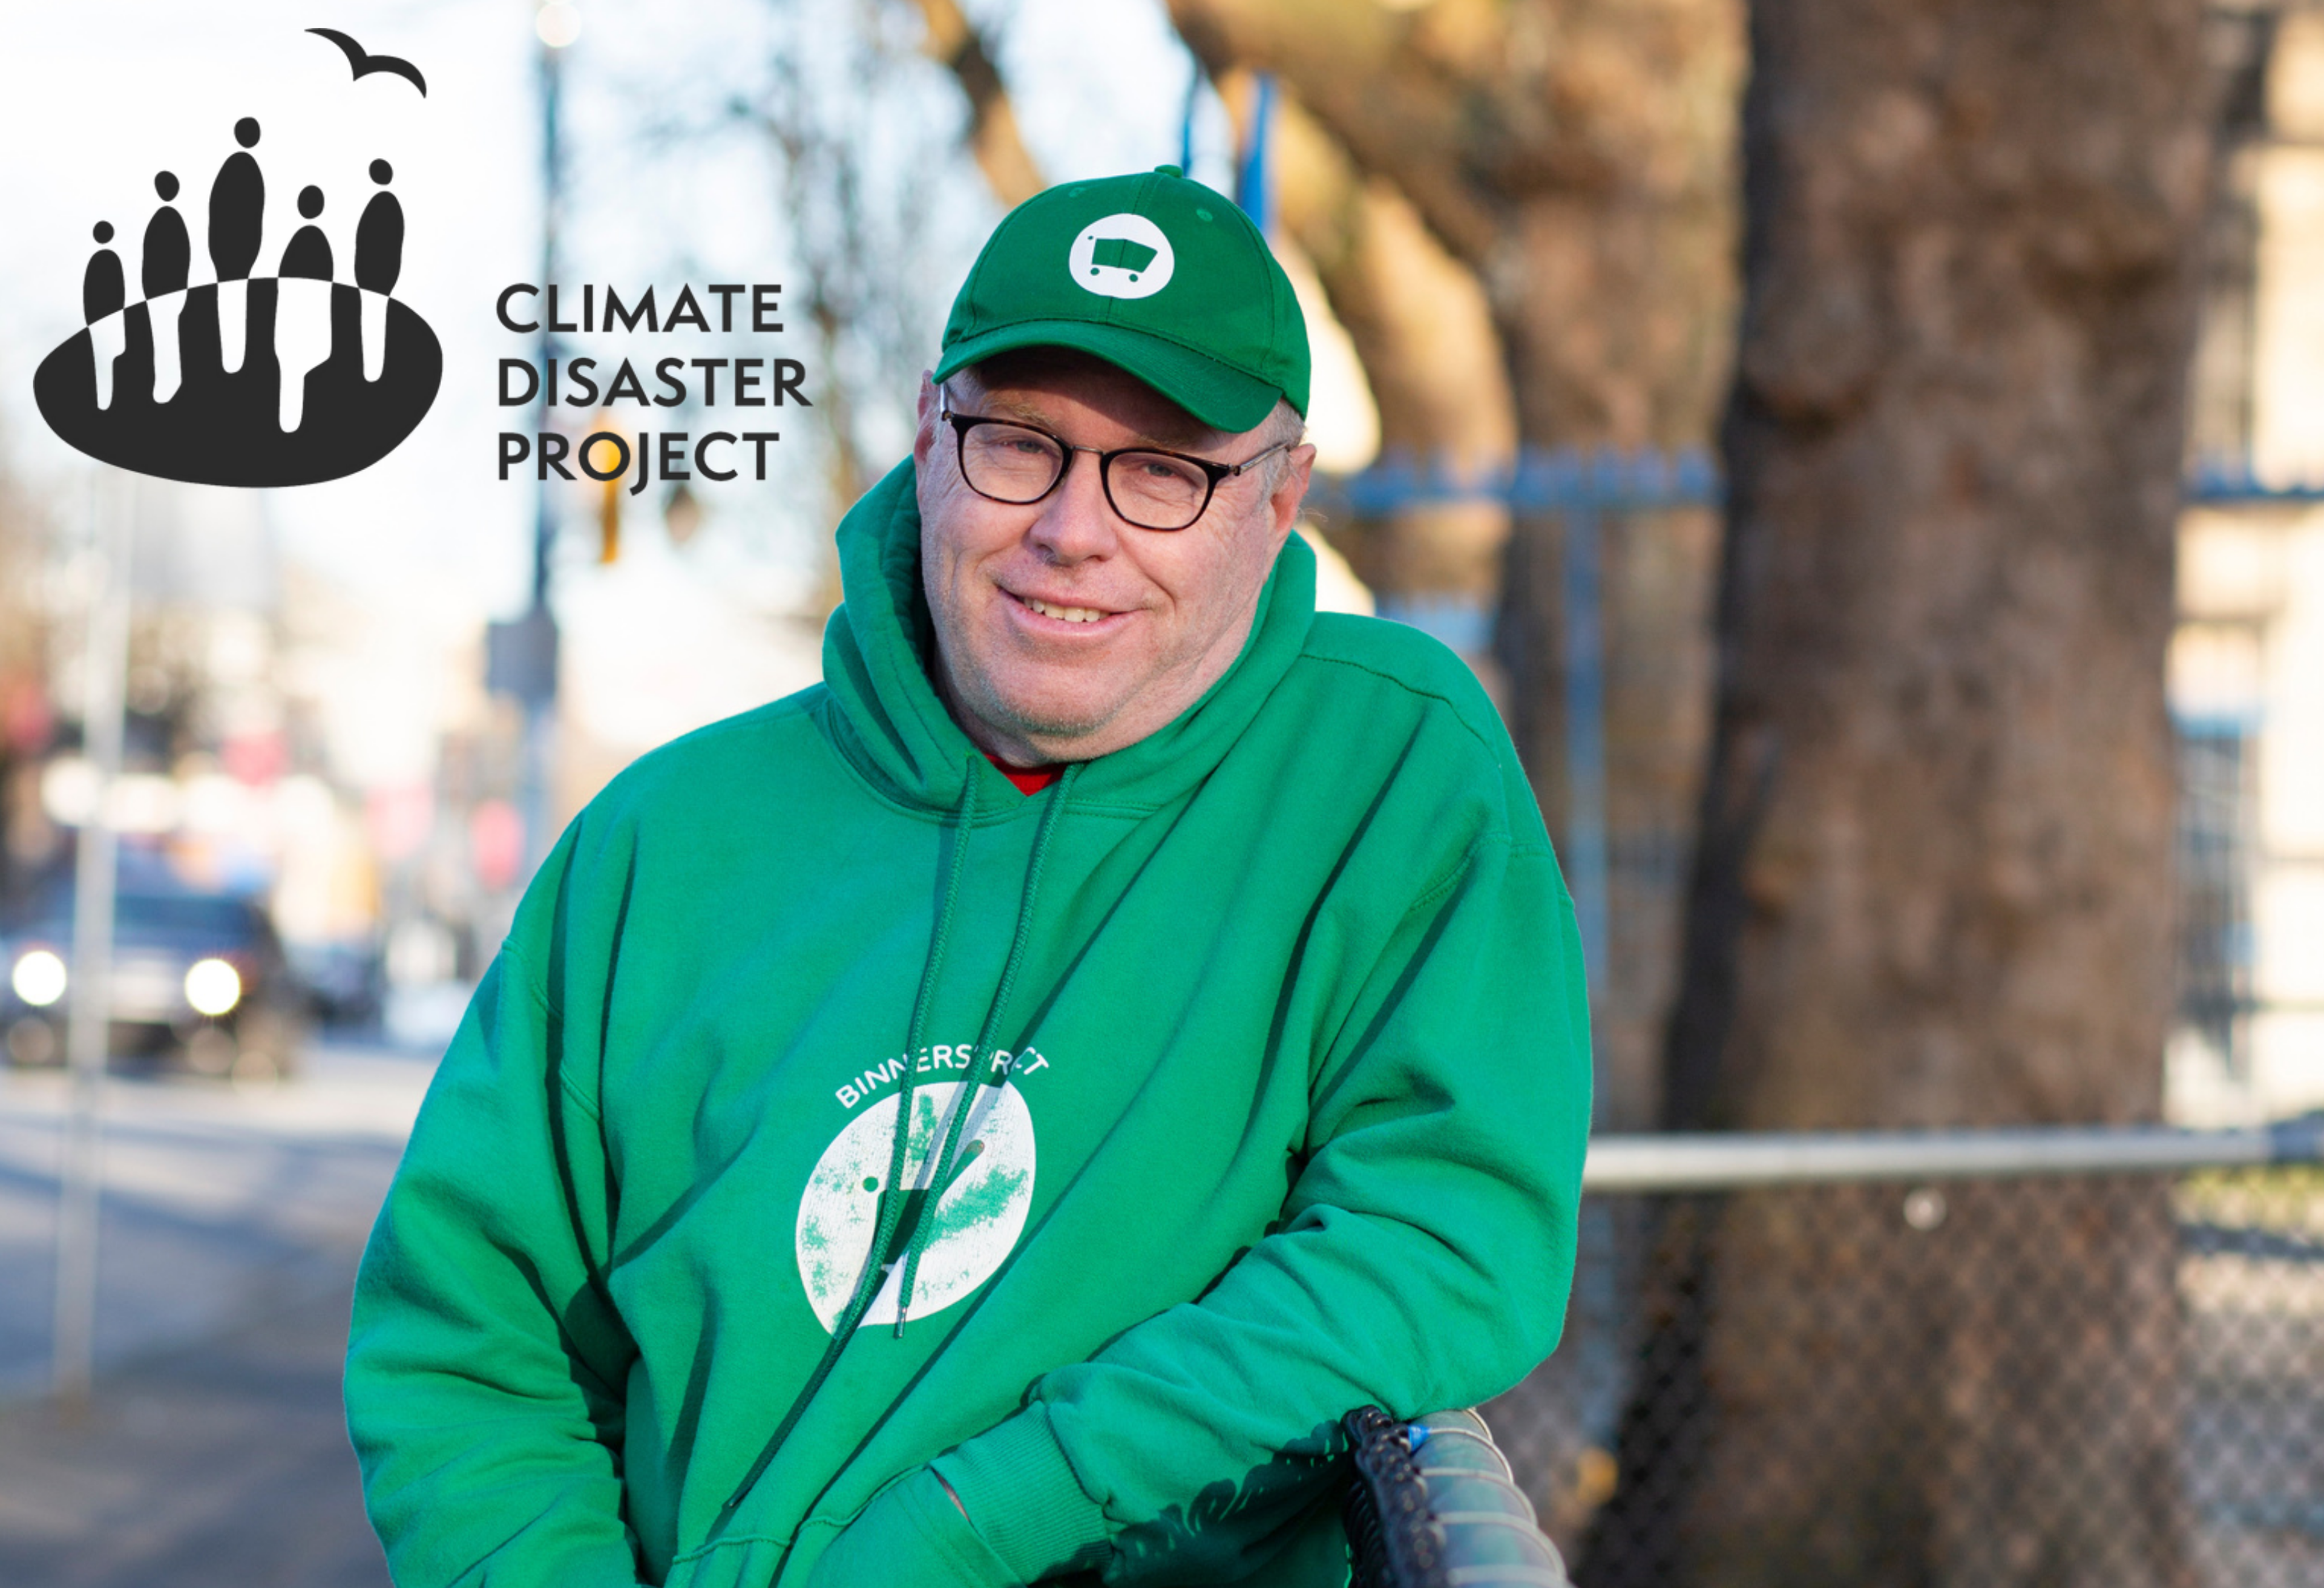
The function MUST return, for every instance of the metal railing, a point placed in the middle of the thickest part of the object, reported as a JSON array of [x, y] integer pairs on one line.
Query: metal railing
[[1608, 480], [1713, 1160], [1993, 1357]]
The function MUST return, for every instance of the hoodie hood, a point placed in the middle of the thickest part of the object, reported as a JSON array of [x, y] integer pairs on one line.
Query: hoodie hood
[[884, 711]]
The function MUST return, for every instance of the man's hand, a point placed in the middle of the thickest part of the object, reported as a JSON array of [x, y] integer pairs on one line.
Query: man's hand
[[914, 1532]]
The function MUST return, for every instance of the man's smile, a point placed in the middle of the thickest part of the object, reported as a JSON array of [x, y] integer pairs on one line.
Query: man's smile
[[1054, 614]]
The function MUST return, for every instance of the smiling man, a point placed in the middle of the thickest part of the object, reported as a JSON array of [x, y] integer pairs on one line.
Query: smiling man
[[1064, 633], [985, 1119]]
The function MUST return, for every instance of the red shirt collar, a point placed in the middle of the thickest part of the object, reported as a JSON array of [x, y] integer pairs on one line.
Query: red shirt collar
[[1029, 780]]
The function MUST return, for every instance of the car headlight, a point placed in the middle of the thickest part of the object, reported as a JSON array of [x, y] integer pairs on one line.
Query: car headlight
[[38, 978], [213, 986]]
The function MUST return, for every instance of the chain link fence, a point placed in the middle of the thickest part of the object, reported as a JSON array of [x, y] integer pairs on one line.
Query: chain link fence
[[2012, 1358]]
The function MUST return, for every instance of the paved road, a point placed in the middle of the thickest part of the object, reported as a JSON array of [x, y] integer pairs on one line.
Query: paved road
[[214, 1453], [221, 1466]]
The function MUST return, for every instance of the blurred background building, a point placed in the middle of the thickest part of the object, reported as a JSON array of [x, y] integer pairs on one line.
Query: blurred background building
[[2247, 660]]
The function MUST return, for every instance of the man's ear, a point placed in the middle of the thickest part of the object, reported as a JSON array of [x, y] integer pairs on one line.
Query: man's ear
[[1290, 490], [924, 442]]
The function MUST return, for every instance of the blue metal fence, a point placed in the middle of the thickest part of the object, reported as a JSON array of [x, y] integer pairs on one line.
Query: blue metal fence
[[1582, 487], [1562, 479]]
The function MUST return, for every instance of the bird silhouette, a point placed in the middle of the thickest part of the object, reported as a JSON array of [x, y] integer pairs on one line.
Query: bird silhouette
[[365, 63]]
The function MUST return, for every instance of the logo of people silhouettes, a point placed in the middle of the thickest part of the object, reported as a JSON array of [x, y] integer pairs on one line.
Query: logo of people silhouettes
[[284, 378]]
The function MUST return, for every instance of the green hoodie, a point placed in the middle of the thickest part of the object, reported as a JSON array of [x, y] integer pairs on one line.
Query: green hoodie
[[1280, 1110]]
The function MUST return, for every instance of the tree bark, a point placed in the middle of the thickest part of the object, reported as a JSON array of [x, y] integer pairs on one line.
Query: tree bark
[[1933, 880]]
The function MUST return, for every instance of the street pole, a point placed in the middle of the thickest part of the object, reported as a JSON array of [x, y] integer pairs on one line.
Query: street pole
[[1584, 851], [1255, 174], [105, 662], [538, 693], [521, 654]]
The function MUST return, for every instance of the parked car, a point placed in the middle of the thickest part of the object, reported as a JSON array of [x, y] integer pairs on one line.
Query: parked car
[[198, 979], [344, 981]]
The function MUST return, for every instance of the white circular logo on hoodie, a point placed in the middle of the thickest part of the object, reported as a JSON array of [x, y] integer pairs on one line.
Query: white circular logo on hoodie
[[976, 1218], [1123, 255]]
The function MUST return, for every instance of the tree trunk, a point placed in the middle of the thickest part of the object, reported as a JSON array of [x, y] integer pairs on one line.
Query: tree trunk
[[1934, 880]]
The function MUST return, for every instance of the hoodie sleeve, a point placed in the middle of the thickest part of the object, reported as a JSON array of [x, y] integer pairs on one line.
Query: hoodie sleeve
[[485, 1364], [1422, 1262]]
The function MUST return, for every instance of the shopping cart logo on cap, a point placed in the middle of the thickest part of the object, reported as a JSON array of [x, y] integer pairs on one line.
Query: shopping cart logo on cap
[[1120, 253], [1121, 256]]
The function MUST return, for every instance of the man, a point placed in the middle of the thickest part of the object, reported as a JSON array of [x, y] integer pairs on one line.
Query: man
[[982, 1120]]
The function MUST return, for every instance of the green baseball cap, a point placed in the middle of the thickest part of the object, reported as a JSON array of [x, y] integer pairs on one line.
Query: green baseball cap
[[1156, 274]]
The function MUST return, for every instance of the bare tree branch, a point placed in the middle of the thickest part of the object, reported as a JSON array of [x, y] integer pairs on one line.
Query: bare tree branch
[[854, 206], [992, 136]]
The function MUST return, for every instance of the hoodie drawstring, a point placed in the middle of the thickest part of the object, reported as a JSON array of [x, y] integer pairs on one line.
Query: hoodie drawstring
[[892, 1211], [979, 1057]]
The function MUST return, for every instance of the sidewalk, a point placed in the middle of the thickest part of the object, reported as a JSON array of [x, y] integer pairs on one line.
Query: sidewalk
[[214, 1453], [212, 1198], [222, 1464]]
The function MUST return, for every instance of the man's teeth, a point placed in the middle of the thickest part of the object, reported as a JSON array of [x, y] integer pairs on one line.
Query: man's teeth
[[1072, 614]]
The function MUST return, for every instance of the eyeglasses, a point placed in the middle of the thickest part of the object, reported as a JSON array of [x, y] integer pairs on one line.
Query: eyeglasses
[[1005, 461]]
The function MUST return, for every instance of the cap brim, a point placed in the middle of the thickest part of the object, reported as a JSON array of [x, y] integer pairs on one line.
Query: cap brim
[[1222, 398]]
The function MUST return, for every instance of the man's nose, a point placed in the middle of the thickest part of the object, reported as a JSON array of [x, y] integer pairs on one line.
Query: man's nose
[[1077, 522]]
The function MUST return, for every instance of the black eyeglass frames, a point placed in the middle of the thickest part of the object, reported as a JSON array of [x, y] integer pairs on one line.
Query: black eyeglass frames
[[1003, 460]]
